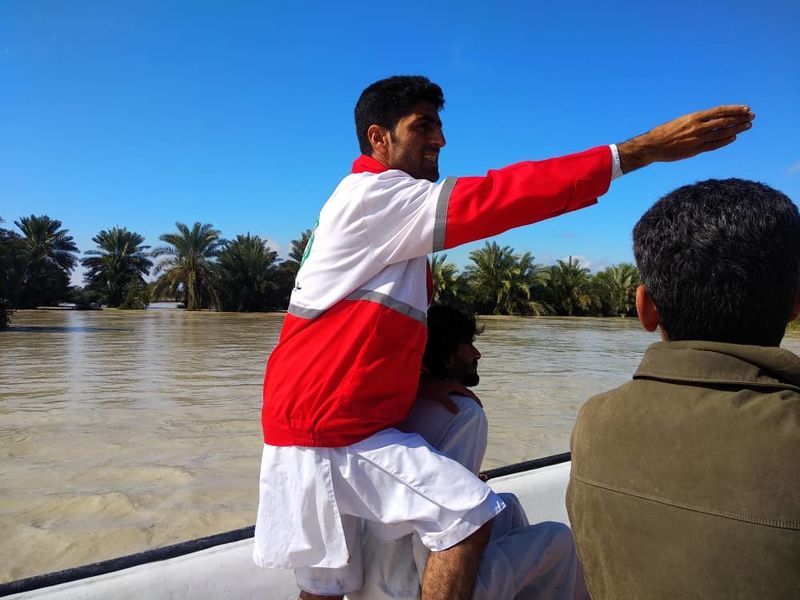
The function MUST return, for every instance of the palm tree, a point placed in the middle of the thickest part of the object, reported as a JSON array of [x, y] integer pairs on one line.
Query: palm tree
[[299, 246], [502, 280], [13, 266], [570, 288], [120, 264], [535, 277], [445, 280], [52, 256], [616, 286], [287, 270], [246, 274], [187, 268]]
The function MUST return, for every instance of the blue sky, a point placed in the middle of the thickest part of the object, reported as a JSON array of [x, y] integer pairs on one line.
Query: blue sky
[[239, 114]]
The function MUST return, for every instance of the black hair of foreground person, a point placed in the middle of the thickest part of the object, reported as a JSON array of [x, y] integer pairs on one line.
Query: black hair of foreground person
[[386, 101], [721, 261]]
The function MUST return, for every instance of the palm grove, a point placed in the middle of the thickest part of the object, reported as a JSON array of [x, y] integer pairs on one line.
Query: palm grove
[[198, 268]]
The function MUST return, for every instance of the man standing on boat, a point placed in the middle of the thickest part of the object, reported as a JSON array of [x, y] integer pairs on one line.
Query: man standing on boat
[[343, 374], [691, 467]]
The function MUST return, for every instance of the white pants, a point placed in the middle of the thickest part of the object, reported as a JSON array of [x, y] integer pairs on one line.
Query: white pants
[[521, 561], [316, 503]]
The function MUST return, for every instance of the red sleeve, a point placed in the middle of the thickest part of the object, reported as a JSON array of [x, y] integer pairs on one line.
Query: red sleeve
[[520, 194]]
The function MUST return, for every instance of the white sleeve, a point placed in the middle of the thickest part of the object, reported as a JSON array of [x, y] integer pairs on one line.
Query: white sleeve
[[616, 166]]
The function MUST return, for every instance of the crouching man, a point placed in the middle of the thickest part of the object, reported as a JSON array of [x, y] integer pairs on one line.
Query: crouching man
[[521, 561], [684, 480]]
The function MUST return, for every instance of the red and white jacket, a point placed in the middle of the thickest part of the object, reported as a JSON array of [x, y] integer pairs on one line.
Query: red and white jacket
[[349, 354]]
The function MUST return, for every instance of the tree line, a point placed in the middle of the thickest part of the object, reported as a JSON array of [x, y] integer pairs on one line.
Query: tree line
[[500, 281], [198, 268]]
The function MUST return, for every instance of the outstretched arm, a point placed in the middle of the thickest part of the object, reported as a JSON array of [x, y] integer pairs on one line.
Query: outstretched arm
[[686, 136]]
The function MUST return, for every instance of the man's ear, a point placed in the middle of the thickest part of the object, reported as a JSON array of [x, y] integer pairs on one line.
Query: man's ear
[[647, 309], [378, 139]]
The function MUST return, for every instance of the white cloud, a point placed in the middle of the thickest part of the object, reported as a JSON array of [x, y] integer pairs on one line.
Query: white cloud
[[76, 277], [795, 168], [594, 265], [582, 260], [599, 265], [276, 246]]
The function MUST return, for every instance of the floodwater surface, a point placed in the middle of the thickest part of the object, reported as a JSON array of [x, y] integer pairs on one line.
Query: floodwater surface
[[127, 430]]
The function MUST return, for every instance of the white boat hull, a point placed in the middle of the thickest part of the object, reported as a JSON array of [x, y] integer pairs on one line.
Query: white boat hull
[[227, 571]]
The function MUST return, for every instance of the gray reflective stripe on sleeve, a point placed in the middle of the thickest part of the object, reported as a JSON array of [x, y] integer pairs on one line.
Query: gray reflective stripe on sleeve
[[389, 302], [440, 224], [371, 296], [304, 313]]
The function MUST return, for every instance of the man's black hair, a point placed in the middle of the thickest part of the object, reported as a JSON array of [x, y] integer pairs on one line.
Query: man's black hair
[[387, 101], [721, 260], [448, 328]]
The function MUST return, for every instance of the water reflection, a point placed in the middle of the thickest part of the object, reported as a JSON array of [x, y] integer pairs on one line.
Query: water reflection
[[125, 430], [67, 329]]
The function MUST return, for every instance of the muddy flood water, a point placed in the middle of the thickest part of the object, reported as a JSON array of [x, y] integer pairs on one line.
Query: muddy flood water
[[127, 430]]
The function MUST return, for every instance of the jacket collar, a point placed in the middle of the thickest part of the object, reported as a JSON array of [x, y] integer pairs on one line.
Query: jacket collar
[[367, 164], [721, 364]]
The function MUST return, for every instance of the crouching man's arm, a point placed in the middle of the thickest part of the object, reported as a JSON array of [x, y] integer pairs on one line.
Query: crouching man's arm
[[457, 565]]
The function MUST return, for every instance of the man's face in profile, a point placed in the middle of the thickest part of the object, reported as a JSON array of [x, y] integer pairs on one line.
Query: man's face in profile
[[415, 143], [463, 364]]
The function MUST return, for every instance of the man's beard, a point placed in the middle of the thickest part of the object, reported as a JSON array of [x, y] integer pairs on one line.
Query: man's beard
[[471, 379]]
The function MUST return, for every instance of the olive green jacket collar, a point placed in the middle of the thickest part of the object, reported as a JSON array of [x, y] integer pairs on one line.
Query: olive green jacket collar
[[718, 363]]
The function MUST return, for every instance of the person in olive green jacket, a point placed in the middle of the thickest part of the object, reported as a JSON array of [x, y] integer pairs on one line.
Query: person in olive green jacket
[[685, 481]]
